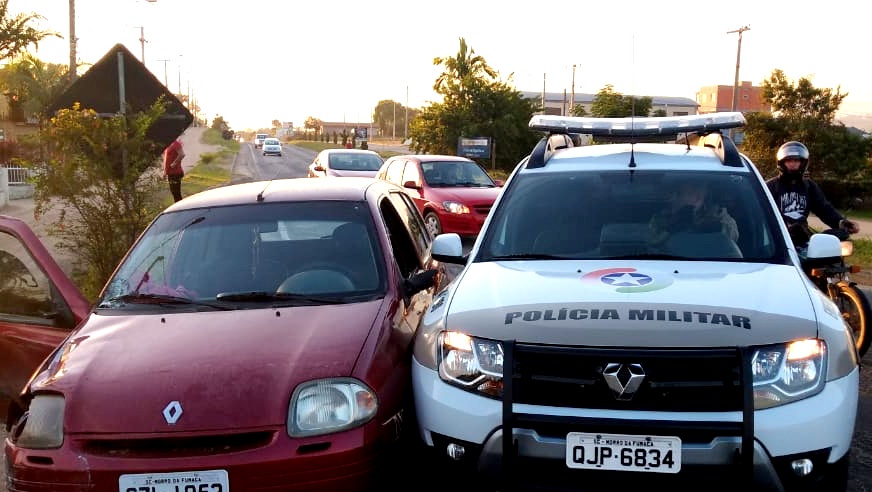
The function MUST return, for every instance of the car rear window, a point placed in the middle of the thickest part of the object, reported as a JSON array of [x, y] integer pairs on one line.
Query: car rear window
[[355, 162]]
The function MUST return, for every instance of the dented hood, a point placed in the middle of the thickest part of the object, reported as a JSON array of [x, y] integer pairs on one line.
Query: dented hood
[[226, 370]]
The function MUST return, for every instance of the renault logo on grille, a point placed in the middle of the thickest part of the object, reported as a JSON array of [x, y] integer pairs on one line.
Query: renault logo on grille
[[172, 412], [624, 379]]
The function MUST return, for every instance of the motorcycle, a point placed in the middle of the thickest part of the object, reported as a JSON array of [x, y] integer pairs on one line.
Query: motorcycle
[[834, 280]]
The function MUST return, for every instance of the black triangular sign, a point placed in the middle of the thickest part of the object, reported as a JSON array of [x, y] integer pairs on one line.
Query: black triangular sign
[[99, 89]]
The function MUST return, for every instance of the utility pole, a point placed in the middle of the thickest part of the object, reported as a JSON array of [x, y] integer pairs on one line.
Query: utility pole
[[142, 43], [738, 57], [165, 73], [406, 131], [543, 94], [394, 131], [572, 101], [72, 41]]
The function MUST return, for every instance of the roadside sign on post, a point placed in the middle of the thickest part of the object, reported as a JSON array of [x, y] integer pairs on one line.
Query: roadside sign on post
[[474, 147], [119, 82]]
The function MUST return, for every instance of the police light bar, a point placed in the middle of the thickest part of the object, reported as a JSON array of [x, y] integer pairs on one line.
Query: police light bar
[[638, 126]]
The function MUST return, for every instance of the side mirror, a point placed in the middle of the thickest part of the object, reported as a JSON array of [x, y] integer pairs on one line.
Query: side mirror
[[824, 247], [448, 248], [499, 183], [318, 167], [412, 184]]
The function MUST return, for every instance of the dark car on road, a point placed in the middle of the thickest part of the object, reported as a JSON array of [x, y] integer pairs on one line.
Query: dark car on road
[[255, 337]]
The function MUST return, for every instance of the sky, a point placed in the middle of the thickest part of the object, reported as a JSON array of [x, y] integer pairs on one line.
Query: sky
[[262, 60]]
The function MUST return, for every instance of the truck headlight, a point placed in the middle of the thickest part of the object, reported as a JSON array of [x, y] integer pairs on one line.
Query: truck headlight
[[474, 364], [325, 406], [43, 423], [788, 372]]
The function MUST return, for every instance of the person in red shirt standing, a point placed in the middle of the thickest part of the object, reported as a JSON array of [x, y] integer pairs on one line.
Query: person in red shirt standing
[[173, 171]]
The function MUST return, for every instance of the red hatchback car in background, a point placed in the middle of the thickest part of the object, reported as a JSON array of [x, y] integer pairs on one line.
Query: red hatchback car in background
[[454, 194], [256, 337]]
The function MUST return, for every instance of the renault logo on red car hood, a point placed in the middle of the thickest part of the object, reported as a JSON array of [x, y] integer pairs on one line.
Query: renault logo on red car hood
[[172, 412]]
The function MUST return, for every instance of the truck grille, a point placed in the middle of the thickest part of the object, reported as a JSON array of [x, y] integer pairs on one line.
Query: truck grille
[[680, 380]]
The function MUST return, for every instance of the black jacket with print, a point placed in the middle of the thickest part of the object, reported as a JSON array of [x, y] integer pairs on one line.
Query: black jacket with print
[[796, 199]]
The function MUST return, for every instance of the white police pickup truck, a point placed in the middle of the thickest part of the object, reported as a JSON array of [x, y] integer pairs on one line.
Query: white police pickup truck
[[633, 316]]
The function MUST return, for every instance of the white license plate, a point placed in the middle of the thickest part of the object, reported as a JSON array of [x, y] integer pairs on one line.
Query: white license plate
[[194, 481], [623, 452]]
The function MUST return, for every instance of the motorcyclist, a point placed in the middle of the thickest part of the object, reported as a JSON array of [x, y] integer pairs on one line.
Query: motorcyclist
[[797, 195]]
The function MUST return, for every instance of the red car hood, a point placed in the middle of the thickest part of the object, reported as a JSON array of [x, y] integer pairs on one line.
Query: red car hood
[[229, 369], [466, 195]]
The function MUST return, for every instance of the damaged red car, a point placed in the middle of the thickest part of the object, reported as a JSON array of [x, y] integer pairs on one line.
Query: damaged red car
[[255, 337]]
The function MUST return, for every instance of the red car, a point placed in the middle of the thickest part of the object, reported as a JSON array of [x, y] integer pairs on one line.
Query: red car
[[39, 306], [454, 194], [256, 337]]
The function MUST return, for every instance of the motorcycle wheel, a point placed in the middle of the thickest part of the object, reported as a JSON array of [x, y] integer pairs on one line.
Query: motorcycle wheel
[[855, 309]]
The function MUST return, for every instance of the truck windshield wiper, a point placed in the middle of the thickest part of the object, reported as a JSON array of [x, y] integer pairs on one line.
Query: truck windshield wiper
[[648, 256], [264, 296], [531, 256], [160, 299]]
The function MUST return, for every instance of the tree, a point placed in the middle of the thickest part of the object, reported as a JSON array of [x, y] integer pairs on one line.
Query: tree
[[219, 124], [101, 174], [313, 123], [578, 110], [276, 124], [462, 72], [474, 104], [801, 99], [611, 104], [30, 85], [389, 117], [839, 158], [16, 33]]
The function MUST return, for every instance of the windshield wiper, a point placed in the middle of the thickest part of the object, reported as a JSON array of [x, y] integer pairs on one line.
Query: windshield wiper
[[531, 256], [264, 296], [648, 256], [160, 299]]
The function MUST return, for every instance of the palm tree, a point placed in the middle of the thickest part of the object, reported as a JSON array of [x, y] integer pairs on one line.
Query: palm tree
[[31, 85], [16, 33], [462, 71]]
